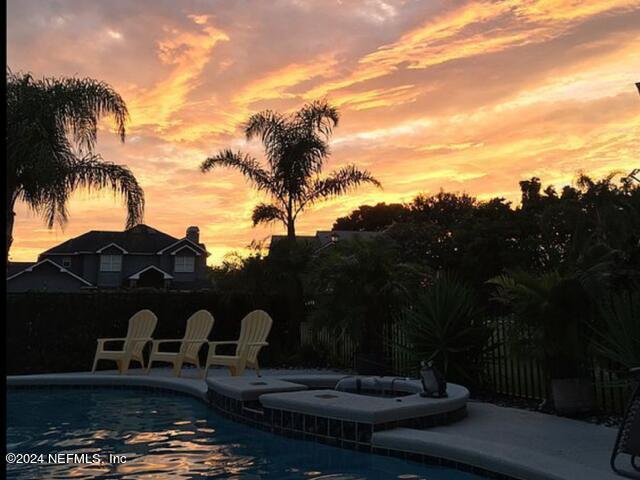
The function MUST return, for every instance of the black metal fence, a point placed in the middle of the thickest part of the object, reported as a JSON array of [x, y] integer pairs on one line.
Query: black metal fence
[[504, 373]]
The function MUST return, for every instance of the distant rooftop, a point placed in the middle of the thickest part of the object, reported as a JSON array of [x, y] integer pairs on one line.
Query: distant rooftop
[[323, 238]]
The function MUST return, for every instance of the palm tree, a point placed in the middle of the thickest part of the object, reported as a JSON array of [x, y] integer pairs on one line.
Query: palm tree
[[296, 148], [358, 287], [52, 126]]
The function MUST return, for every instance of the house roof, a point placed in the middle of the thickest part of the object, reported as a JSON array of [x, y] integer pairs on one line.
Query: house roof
[[139, 239], [322, 238], [15, 267], [48, 262]]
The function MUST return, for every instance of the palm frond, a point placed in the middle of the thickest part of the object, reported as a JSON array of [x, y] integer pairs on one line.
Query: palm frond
[[244, 163], [338, 183], [264, 124], [93, 172], [76, 105], [263, 213], [319, 115], [52, 128]]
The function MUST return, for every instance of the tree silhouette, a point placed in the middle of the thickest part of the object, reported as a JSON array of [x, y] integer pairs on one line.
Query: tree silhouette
[[296, 148], [52, 126]]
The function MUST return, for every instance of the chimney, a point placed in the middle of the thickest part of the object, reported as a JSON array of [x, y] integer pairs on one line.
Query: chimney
[[193, 234]]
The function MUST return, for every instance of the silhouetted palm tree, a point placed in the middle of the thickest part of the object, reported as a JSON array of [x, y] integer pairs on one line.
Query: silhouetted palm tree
[[296, 148], [52, 126]]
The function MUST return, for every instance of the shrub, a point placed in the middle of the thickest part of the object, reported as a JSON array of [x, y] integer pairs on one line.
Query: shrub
[[617, 337], [446, 326]]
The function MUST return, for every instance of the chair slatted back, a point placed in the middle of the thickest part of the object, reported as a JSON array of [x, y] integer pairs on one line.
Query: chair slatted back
[[255, 328], [141, 325], [199, 326]]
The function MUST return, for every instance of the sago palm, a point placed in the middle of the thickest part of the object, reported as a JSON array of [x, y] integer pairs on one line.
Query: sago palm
[[52, 126], [445, 325], [296, 149]]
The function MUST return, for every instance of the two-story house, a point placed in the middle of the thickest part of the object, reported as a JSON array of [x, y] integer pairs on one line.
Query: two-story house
[[138, 257]]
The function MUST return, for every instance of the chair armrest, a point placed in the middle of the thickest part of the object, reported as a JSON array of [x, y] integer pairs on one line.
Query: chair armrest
[[104, 340], [214, 345], [167, 340]]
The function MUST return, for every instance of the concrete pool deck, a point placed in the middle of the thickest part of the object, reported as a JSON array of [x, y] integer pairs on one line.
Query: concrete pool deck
[[518, 443]]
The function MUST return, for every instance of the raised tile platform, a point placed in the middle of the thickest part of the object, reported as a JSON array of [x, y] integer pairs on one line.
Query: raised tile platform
[[366, 408], [248, 389]]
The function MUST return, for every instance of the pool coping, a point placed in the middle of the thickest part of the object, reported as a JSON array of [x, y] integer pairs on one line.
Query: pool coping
[[465, 455]]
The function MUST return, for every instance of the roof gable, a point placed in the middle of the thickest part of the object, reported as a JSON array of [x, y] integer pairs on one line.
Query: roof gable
[[112, 244], [47, 261], [176, 246], [136, 276]]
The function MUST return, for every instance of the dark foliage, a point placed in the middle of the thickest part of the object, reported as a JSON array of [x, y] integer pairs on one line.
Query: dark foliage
[[52, 129], [372, 218], [547, 231], [358, 287], [446, 325]]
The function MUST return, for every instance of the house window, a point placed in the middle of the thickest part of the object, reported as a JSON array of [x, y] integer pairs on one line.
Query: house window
[[185, 264], [66, 262], [110, 263]]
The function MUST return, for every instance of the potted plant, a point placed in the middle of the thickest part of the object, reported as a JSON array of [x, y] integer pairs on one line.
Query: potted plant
[[550, 314]]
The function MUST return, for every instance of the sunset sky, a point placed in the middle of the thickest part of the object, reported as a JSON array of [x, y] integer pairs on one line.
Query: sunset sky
[[464, 96]]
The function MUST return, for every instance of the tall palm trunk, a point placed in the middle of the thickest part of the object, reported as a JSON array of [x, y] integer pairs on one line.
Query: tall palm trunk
[[291, 231], [11, 215], [291, 224]]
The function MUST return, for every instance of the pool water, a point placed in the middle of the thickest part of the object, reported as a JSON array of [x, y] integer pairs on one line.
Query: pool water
[[173, 437]]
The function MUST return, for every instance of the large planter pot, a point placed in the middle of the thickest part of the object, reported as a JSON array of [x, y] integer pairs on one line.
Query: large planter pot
[[573, 396]]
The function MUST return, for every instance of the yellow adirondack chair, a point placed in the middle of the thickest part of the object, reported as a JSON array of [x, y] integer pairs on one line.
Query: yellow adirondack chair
[[141, 327], [253, 335], [196, 334]]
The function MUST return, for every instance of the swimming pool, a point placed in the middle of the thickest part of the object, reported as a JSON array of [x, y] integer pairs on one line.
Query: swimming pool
[[172, 436]]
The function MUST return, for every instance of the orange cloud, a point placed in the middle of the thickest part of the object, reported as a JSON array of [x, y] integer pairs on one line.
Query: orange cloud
[[185, 53]]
